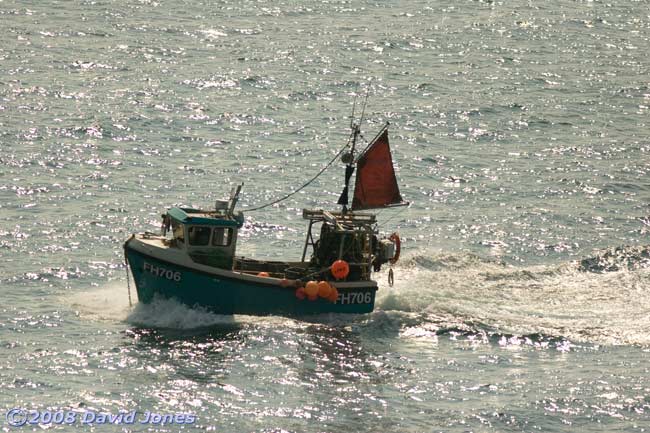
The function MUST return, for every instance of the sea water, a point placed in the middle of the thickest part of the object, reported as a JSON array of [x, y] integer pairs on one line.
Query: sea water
[[520, 136]]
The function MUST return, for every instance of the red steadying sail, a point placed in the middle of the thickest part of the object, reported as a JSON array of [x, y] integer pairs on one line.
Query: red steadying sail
[[376, 185]]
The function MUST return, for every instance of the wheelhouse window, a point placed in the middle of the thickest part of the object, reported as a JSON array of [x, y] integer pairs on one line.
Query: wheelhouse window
[[221, 237], [199, 236]]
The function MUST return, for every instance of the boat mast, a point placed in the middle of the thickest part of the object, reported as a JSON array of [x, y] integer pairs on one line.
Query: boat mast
[[349, 157]]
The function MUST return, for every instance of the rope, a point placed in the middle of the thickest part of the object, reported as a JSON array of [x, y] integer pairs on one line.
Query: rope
[[128, 282], [315, 273], [393, 216], [303, 186]]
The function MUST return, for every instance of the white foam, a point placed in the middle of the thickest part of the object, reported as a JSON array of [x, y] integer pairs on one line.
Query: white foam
[[560, 301], [169, 313], [213, 33], [111, 302]]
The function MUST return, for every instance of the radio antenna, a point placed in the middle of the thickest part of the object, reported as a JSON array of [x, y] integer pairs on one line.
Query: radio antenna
[[363, 110], [354, 105]]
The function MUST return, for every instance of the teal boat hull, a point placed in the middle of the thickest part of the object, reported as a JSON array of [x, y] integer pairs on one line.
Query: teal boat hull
[[233, 294]]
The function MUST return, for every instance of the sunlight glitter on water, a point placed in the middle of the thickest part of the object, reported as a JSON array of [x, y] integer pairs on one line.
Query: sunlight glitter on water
[[520, 136]]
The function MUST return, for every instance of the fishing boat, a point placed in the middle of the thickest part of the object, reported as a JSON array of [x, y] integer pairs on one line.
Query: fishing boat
[[194, 259]]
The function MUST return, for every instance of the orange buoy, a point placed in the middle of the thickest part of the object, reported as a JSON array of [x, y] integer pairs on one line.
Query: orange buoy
[[340, 269], [312, 298], [334, 295], [311, 289], [324, 289], [300, 293], [263, 274]]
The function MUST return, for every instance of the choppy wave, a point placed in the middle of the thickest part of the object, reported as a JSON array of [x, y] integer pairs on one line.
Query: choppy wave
[[616, 259]]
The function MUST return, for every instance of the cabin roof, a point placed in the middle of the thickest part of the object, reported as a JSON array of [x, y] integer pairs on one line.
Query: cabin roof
[[203, 217]]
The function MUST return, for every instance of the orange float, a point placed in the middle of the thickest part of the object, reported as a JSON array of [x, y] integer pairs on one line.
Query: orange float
[[340, 269], [263, 274], [311, 289], [324, 289], [300, 293], [334, 295]]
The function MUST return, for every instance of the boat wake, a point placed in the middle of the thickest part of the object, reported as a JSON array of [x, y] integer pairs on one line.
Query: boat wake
[[571, 300], [598, 300], [171, 314], [616, 259], [111, 302]]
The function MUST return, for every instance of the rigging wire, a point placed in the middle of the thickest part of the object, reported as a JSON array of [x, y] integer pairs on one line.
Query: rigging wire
[[396, 214], [352, 136], [305, 184]]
